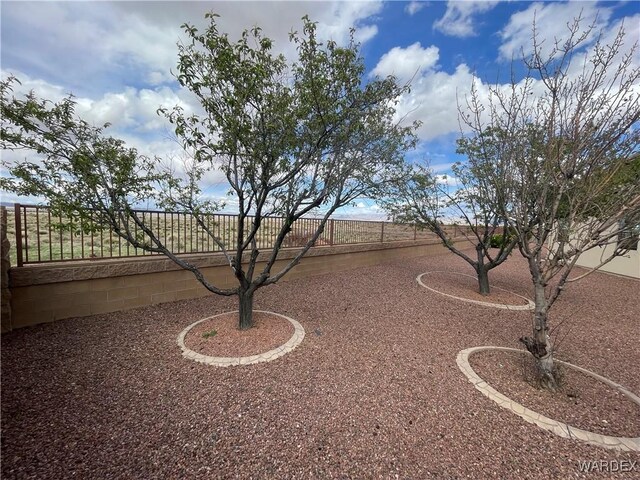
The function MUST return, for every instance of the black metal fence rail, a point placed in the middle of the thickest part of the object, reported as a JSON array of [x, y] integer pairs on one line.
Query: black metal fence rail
[[39, 235]]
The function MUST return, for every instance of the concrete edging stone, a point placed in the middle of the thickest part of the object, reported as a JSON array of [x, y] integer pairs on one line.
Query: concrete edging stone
[[530, 305], [554, 426], [289, 345]]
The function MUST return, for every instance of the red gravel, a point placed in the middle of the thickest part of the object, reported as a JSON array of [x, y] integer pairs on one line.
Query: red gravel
[[464, 286], [373, 391], [268, 332], [581, 401]]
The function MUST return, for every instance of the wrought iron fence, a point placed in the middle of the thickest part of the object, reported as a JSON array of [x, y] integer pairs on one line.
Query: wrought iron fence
[[40, 235]]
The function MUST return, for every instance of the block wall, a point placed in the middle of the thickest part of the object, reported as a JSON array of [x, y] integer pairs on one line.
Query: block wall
[[5, 265], [45, 293]]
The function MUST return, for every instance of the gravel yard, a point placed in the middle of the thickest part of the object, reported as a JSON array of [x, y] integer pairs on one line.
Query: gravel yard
[[373, 391]]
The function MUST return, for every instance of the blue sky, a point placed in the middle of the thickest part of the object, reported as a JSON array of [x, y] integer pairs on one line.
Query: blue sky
[[116, 57]]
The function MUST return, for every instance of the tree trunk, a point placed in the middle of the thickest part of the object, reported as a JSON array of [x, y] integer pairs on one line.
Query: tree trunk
[[540, 345], [482, 272], [246, 308], [483, 280]]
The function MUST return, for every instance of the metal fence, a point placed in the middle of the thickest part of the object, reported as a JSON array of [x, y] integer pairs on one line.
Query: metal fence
[[37, 234]]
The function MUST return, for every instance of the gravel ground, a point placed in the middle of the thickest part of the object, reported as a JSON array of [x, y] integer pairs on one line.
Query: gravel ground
[[373, 391], [268, 332], [466, 286], [580, 401]]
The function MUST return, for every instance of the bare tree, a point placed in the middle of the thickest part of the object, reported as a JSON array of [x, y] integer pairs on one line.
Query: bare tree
[[569, 129], [292, 139]]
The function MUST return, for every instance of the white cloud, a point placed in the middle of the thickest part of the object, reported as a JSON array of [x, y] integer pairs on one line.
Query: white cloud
[[414, 7], [43, 89], [80, 50], [440, 167], [551, 21], [435, 94], [608, 37], [434, 101], [148, 46], [366, 209], [92, 45], [631, 26], [116, 57], [552, 25], [337, 18], [404, 63], [458, 20], [131, 109], [448, 180]]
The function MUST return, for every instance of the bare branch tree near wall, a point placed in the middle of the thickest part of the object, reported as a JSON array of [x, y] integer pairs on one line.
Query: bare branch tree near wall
[[292, 138], [570, 130]]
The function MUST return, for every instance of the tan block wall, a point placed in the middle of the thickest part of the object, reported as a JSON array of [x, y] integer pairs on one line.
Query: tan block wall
[[627, 264], [5, 264], [45, 293]]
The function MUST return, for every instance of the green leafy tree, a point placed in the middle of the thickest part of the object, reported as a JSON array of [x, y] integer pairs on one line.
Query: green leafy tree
[[421, 197], [571, 131], [292, 139], [621, 180]]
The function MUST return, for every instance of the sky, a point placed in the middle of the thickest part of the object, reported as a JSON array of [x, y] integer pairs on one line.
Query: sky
[[117, 58]]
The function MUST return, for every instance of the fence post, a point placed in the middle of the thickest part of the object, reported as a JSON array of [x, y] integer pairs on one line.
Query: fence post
[[382, 233], [331, 232], [18, 224]]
